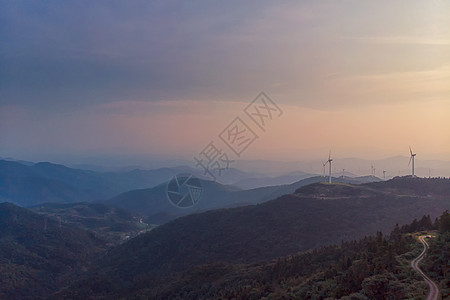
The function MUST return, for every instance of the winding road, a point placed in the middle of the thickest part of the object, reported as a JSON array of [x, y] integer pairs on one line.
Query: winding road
[[434, 290]]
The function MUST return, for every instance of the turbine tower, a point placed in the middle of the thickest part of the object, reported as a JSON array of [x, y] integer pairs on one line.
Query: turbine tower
[[411, 159], [329, 161], [384, 174]]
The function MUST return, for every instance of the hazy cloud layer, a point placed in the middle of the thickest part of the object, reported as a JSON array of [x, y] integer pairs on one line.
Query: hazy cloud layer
[[92, 59]]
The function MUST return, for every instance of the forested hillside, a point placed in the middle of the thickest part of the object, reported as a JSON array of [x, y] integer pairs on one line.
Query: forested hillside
[[316, 215], [375, 267], [39, 255]]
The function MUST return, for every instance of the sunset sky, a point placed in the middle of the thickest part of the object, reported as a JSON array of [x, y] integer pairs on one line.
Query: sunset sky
[[163, 78]]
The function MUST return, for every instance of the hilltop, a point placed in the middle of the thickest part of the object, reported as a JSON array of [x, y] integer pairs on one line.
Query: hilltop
[[154, 205]]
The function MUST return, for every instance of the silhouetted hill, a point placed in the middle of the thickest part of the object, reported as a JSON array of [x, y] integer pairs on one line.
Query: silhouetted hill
[[319, 214], [414, 186], [28, 185], [32, 184], [154, 203], [31, 190], [286, 179], [38, 255]]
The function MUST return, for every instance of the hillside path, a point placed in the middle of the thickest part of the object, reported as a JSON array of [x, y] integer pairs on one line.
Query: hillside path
[[434, 290]]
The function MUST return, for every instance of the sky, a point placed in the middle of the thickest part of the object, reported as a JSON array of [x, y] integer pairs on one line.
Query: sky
[[163, 79]]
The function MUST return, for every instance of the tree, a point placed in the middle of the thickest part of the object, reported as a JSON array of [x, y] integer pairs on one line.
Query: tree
[[444, 222], [383, 286]]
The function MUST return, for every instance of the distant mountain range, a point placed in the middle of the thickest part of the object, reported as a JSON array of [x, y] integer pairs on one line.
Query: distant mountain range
[[154, 203], [31, 184], [251, 183], [395, 166]]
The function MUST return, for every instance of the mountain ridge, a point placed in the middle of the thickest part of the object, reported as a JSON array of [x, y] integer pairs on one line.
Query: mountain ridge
[[279, 227], [153, 202]]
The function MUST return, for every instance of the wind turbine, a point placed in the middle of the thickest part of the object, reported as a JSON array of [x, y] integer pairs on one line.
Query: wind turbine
[[411, 159], [323, 165], [384, 174], [329, 161]]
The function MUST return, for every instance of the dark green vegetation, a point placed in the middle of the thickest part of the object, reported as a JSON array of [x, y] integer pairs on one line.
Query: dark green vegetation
[[281, 248], [420, 187], [154, 204], [437, 263], [111, 223], [38, 256], [316, 215], [375, 267]]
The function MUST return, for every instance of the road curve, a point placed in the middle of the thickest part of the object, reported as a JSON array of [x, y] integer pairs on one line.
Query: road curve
[[434, 290]]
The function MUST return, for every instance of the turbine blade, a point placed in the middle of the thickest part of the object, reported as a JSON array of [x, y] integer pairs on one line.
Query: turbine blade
[[410, 150], [410, 160]]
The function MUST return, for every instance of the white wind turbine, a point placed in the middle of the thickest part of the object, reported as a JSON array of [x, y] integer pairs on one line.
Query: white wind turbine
[[329, 161], [411, 158]]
